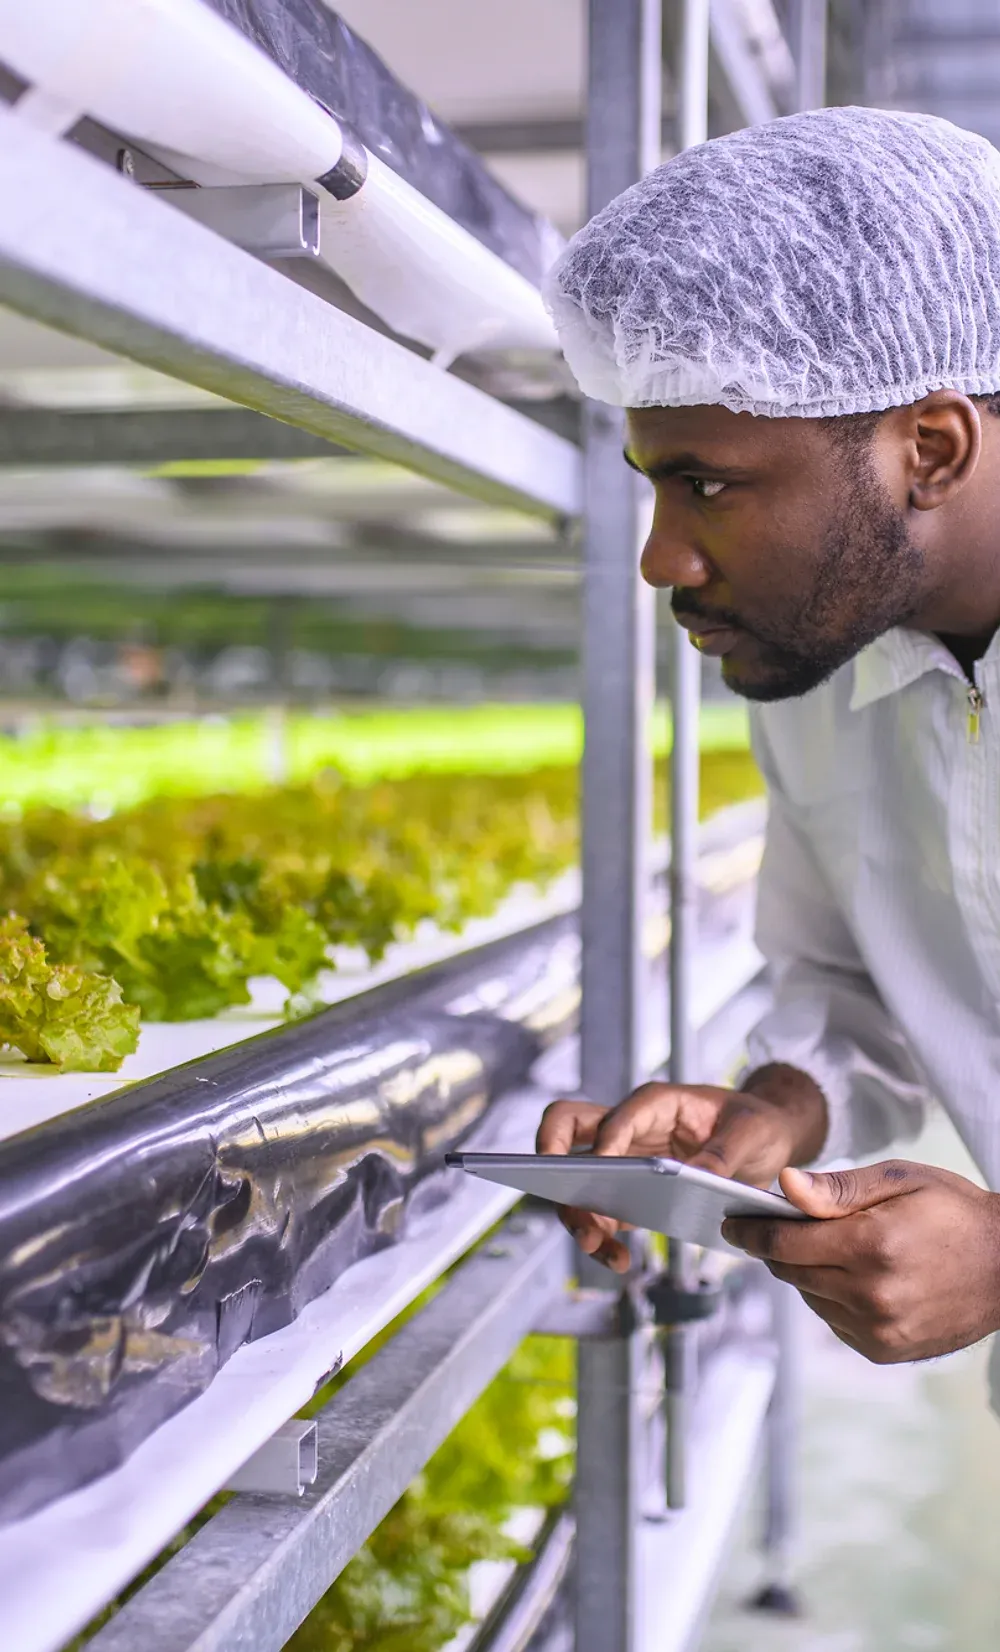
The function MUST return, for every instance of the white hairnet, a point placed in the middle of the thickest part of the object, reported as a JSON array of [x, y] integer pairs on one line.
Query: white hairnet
[[840, 261]]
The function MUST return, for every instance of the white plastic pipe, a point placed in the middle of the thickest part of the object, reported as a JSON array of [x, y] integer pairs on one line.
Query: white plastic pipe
[[175, 77], [426, 275], [173, 74]]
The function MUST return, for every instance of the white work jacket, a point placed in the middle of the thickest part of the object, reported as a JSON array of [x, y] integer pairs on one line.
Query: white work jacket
[[879, 902]]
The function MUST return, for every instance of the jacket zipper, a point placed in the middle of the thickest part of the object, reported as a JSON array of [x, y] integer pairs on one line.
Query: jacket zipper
[[976, 704]]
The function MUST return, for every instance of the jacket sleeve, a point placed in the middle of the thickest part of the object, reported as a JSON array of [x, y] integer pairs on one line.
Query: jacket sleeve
[[827, 1017]]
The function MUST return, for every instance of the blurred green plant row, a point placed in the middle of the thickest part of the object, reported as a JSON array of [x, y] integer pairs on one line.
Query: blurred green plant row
[[101, 766], [183, 901], [170, 909], [35, 603]]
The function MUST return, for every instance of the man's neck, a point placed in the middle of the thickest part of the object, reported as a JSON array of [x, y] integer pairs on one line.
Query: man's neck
[[967, 650]]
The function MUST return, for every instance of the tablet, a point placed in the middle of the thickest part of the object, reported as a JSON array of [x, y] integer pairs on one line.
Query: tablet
[[660, 1194]]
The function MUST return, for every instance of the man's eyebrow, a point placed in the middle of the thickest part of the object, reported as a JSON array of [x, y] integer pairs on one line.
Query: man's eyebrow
[[682, 464]]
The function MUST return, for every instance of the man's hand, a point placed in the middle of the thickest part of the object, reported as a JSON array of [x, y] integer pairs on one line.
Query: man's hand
[[778, 1119], [906, 1265]]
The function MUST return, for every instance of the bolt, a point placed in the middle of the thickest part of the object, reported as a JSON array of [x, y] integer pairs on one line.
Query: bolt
[[126, 163]]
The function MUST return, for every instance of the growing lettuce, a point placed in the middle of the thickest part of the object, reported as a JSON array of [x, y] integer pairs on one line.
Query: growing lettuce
[[183, 901], [58, 1013]]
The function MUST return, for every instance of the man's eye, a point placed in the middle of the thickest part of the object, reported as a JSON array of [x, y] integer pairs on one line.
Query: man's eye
[[705, 489]]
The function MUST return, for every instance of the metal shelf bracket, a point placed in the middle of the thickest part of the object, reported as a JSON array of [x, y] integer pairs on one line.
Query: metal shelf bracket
[[269, 220], [284, 1465]]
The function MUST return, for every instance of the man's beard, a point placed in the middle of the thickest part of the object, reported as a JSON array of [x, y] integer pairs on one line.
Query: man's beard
[[870, 579]]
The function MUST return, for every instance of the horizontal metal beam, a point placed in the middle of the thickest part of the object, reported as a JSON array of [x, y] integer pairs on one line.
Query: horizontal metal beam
[[174, 561], [535, 135], [251, 1575], [84, 250], [52, 436], [158, 436]]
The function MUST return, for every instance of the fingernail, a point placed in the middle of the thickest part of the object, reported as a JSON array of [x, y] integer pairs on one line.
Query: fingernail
[[806, 1175]]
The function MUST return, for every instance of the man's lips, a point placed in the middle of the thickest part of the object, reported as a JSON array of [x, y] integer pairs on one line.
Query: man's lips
[[709, 636]]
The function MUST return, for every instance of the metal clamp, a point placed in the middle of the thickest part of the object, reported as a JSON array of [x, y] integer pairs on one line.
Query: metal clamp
[[269, 220], [675, 1304], [590, 1315]]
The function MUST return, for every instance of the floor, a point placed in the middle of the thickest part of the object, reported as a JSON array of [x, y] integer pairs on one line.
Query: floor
[[899, 1544]]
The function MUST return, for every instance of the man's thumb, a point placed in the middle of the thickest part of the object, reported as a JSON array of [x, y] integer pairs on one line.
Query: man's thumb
[[842, 1192]]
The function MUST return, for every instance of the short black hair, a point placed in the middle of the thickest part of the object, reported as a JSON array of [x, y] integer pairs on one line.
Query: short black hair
[[853, 432]]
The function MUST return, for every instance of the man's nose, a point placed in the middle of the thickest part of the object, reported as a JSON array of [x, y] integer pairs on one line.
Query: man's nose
[[667, 561]]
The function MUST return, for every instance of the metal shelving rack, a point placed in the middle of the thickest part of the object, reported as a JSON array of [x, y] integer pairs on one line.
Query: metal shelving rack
[[86, 251]]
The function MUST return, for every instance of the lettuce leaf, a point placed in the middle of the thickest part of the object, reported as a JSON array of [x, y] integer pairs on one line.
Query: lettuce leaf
[[59, 1013]]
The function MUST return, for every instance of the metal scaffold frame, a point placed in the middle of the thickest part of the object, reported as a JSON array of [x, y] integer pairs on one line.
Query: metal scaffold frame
[[90, 253], [85, 251]]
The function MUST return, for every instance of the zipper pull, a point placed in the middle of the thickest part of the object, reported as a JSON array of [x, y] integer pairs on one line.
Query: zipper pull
[[976, 703]]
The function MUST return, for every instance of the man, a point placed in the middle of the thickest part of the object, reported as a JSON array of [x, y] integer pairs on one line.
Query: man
[[803, 322]]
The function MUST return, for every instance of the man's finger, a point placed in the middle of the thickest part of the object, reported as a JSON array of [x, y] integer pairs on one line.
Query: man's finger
[[568, 1124], [796, 1244], [642, 1116], [844, 1192], [589, 1230], [734, 1144], [829, 1285], [596, 1236], [614, 1254]]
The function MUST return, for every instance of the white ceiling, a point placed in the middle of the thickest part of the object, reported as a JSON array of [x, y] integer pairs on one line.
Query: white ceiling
[[523, 59], [472, 60]]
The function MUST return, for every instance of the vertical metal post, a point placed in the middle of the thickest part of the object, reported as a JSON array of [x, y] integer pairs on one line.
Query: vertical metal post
[[777, 1594], [780, 1428], [279, 628], [808, 30], [685, 697], [618, 617], [692, 74], [618, 671], [808, 43]]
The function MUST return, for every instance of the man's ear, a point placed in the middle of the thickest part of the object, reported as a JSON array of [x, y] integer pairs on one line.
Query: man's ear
[[945, 441]]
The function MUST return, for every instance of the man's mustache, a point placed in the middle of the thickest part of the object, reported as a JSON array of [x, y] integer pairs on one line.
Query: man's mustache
[[688, 611]]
